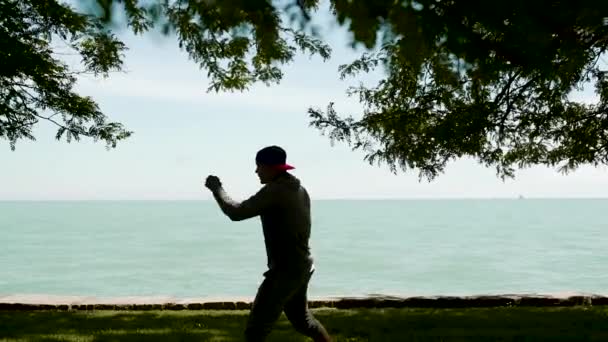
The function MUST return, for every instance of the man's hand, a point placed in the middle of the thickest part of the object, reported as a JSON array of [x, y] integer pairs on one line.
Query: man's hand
[[213, 183]]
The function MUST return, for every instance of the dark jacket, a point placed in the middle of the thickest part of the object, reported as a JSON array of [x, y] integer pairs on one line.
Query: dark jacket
[[284, 208]]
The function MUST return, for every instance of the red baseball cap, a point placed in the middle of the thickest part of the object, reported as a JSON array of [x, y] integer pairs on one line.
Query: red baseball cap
[[273, 156]]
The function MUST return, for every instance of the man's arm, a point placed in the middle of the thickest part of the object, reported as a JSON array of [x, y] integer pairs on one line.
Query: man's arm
[[249, 208]]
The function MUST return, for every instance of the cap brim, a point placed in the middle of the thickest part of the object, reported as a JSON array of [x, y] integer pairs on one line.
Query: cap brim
[[285, 167]]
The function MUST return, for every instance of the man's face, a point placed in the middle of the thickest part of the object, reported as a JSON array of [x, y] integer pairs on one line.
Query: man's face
[[265, 173]]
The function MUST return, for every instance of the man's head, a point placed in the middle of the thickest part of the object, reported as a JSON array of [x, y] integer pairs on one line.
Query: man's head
[[271, 162]]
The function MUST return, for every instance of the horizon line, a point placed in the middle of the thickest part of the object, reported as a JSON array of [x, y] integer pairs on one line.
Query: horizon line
[[325, 199]]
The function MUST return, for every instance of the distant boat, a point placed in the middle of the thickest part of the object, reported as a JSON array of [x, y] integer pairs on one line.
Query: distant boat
[[521, 197]]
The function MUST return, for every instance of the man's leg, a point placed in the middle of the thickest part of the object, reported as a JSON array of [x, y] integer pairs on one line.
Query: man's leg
[[296, 310], [266, 308]]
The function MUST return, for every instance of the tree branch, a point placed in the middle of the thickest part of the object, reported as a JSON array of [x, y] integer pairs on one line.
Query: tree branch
[[84, 133]]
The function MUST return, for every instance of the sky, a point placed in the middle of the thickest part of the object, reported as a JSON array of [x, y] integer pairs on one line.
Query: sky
[[182, 134]]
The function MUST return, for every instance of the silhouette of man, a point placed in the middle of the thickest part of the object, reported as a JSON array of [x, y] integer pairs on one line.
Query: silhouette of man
[[284, 208]]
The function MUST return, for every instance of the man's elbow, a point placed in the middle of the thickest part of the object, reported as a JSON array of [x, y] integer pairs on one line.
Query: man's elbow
[[235, 218], [237, 213]]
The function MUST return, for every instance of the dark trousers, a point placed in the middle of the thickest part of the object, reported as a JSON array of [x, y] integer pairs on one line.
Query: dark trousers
[[282, 291]]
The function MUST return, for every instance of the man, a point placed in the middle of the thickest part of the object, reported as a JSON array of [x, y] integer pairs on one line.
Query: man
[[284, 207]]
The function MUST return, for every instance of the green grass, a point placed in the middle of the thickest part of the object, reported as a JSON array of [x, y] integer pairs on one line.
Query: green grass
[[492, 324]]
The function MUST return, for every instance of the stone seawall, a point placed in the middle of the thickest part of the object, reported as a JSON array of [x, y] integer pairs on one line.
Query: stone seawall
[[27, 303]]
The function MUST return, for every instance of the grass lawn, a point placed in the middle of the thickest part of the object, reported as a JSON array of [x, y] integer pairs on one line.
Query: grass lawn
[[479, 324]]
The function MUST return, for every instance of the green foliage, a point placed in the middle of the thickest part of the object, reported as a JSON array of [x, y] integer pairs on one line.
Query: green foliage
[[488, 80], [36, 85], [238, 43]]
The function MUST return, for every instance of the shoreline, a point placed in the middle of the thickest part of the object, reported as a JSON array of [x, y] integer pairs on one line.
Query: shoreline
[[30, 302]]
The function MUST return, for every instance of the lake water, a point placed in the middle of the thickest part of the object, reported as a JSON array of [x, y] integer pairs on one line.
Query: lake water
[[399, 247]]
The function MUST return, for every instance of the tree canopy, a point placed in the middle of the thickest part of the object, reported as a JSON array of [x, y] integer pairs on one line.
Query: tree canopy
[[483, 79], [36, 85], [238, 43], [487, 80]]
